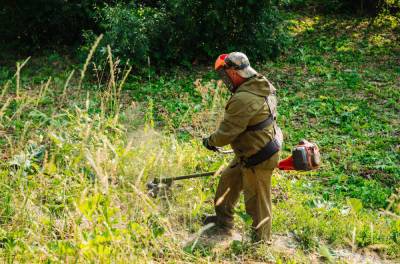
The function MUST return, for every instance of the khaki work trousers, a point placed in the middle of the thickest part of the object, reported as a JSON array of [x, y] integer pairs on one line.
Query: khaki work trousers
[[256, 185]]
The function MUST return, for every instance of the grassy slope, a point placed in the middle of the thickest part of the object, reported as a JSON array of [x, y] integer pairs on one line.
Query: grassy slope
[[73, 177], [341, 88]]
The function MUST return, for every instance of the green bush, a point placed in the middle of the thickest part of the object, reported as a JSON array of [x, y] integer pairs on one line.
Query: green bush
[[128, 30], [186, 32], [38, 23], [335, 6], [207, 28], [320, 5]]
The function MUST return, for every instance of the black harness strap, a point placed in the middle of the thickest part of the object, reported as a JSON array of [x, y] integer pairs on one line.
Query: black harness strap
[[263, 124], [268, 150], [272, 146], [263, 154]]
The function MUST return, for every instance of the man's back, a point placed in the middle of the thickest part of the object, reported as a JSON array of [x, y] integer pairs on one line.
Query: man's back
[[246, 108]]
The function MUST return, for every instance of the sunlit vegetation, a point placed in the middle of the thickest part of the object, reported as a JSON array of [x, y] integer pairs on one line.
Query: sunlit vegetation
[[78, 142]]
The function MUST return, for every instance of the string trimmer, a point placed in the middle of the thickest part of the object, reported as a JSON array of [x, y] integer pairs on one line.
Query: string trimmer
[[158, 184], [305, 156]]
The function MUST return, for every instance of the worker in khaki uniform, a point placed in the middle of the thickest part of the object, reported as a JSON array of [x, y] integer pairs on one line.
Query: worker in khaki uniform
[[249, 126]]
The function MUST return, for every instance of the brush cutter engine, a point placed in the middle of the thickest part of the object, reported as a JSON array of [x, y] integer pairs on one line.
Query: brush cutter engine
[[305, 156]]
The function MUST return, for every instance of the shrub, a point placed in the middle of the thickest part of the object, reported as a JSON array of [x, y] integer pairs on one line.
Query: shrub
[[372, 7], [184, 32], [207, 28], [39, 22], [128, 31]]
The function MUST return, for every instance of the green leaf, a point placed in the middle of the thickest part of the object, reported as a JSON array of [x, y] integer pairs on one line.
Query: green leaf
[[355, 204]]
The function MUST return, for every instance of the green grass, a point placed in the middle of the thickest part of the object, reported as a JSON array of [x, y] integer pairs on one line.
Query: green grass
[[75, 163], [348, 102]]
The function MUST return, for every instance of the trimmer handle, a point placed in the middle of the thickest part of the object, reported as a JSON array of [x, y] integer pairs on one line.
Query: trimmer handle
[[220, 150]]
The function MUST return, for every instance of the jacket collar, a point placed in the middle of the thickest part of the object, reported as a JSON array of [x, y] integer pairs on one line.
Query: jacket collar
[[258, 85]]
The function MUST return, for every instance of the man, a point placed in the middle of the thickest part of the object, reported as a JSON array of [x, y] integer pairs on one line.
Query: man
[[250, 128]]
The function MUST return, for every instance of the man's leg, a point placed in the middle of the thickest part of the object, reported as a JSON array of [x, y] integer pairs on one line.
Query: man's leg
[[227, 194], [257, 196]]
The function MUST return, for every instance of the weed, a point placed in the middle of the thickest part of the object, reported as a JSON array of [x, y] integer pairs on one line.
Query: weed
[[76, 153]]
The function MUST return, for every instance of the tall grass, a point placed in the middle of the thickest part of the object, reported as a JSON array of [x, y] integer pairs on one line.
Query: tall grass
[[73, 181], [73, 174]]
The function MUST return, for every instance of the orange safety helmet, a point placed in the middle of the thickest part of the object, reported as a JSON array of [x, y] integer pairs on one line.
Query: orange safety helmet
[[228, 71], [220, 62]]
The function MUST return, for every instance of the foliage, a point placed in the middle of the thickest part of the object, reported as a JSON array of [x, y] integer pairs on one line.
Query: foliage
[[165, 31], [343, 95], [207, 28], [37, 23], [75, 159], [372, 7], [186, 32], [129, 31]]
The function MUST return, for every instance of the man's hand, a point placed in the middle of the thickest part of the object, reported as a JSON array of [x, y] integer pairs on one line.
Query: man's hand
[[207, 145]]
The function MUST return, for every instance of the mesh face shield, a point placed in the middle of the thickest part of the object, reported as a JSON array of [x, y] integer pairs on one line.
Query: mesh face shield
[[225, 78]]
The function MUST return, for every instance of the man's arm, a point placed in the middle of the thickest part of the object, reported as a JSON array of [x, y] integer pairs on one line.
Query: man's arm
[[236, 119]]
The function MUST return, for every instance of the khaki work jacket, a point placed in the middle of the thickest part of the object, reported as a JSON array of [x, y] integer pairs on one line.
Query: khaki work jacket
[[247, 107]]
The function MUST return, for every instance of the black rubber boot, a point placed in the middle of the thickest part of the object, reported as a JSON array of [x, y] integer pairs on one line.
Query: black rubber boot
[[219, 226], [207, 219]]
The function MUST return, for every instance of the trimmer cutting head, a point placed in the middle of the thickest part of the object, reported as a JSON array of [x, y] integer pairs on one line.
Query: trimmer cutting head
[[163, 184], [155, 186]]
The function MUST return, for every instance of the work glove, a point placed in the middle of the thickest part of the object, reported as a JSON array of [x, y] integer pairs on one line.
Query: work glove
[[207, 145]]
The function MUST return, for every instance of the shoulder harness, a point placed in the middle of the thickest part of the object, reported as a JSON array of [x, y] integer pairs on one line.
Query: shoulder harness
[[275, 144]]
